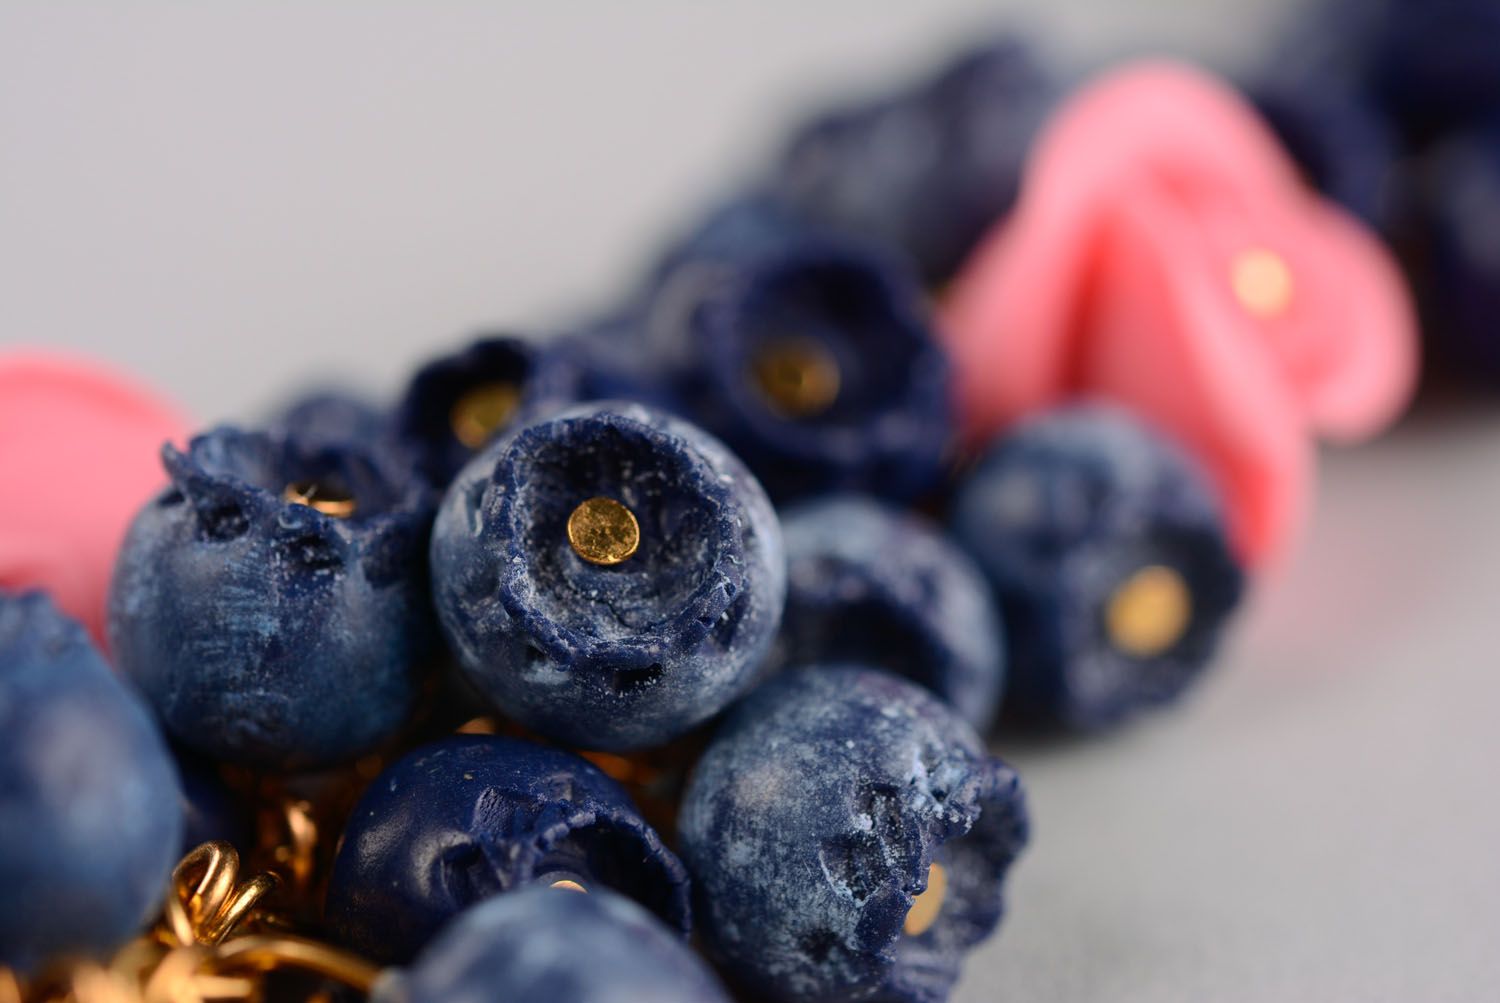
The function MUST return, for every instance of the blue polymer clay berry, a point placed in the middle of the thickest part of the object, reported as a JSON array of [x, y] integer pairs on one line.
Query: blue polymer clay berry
[[90, 807], [873, 585], [272, 603], [848, 838], [473, 816], [1107, 550], [457, 403], [334, 418], [1344, 146], [1461, 269], [554, 946], [601, 648], [929, 169], [810, 353]]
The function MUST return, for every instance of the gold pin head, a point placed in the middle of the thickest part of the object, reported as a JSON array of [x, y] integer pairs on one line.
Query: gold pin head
[[329, 500], [927, 906], [602, 531], [798, 377], [569, 885], [1149, 612], [483, 411], [1262, 282]]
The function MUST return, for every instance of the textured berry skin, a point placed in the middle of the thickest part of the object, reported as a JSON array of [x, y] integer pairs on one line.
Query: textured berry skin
[[555, 946], [615, 657], [1059, 513], [90, 808], [264, 632], [927, 170], [472, 816], [810, 824], [753, 274], [868, 584], [547, 379]]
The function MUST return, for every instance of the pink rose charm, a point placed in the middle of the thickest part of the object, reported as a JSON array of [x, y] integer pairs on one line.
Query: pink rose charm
[[79, 447], [1166, 254]]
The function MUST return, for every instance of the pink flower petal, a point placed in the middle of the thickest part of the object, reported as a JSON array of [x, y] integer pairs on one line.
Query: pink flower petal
[[79, 447]]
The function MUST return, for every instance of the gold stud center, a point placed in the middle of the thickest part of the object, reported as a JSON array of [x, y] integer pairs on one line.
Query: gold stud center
[[569, 885], [328, 500], [1149, 612], [483, 411], [1262, 282], [602, 531], [797, 376], [926, 907]]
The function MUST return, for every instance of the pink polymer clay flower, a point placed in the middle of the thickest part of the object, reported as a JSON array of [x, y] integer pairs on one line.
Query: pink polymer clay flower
[[80, 454], [1165, 253]]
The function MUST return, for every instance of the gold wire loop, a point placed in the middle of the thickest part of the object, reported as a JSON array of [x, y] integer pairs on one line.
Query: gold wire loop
[[207, 901], [265, 954]]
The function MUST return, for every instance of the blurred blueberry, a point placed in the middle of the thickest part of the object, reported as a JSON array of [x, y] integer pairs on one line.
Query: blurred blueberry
[[472, 816], [554, 947], [1462, 263], [1107, 550], [333, 418], [927, 170], [872, 585], [1436, 64], [608, 655], [268, 631], [90, 807], [457, 403], [810, 354], [831, 800], [1343, 145], [210, 810]]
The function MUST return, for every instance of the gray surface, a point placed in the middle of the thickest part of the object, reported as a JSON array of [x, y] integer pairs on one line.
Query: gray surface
[[234, 198]]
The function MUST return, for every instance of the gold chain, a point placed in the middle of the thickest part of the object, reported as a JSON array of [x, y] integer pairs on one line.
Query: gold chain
[[208, 946]]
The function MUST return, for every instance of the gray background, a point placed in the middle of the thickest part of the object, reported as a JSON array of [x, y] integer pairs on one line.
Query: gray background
[[232, 199]]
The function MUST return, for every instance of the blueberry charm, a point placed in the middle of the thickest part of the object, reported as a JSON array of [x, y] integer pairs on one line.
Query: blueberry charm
[[872, 585], [90, 807], [1461, 218], [928, 170], [848, 839], [472, 816], [1107, 550], [808, 352], [271, 603], [556, 946], [609, 577], [456, 404], [333, 418]]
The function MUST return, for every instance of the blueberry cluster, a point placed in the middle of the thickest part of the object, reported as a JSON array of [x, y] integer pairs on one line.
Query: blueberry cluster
[[698, 718], [1393, 108]]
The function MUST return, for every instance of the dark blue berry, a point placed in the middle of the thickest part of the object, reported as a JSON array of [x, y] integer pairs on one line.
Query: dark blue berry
[[1107, 550], [456, 404], [809, 353], [872, 585], [210, 810], [90, 807], [608, 655], [1461, 269], [542, 944], [928, 170], [333, 418], [828, 802], [1344, 146], [267, 631], [472, 816]]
